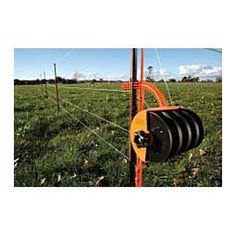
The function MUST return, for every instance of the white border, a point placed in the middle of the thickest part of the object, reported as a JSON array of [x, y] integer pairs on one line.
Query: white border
[[117, 211]]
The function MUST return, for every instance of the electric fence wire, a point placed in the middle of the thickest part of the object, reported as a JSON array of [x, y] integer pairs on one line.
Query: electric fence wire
[[108, 90], [95, 99], [92, 131], [95, 115], [65, 56], [159, 63], [147, 105]]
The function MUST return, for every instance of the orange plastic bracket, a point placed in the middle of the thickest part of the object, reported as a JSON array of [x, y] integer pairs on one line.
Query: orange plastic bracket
[[150, 87]]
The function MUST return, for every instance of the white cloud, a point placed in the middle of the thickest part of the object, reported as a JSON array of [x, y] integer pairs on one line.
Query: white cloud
[[97, 76], [203, 71], [161, 74]]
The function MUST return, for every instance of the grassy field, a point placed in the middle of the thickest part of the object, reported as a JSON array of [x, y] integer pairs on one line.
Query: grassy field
[[54, 149]]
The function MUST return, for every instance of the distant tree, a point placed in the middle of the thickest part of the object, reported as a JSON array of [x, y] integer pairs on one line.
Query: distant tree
[[150, 78], [71, 81], [219, 79], [172, 80], [150, 70], [93, 81], [161, 81], [209, 81], [43, 81], [51, 81], [16, 81], [184, 79], [190, 79], [60, 79]]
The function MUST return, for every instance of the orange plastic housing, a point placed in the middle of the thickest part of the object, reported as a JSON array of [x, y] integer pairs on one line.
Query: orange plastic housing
[[139, 122]]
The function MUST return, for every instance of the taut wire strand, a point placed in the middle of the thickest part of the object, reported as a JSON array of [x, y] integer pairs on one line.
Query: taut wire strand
[[108, 90], [95, 115], [65, 56], [160, 67]]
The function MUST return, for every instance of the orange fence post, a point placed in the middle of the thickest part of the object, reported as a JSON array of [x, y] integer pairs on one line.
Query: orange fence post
[[139, 163]]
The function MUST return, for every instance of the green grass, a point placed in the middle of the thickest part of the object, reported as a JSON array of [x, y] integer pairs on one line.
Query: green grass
[[54, 150]]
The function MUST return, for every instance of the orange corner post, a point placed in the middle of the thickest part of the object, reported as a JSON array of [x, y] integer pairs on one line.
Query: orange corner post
[[139, 162]]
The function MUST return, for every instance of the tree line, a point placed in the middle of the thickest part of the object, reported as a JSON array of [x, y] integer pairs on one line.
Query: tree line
[[61, 80], [185, 79]]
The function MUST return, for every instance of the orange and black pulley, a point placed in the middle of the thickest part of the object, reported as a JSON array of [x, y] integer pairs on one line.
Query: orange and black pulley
[[158, 134]]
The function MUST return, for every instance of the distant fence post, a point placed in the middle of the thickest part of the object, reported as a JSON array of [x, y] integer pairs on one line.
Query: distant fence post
[[57, 95], [41, 83], [45, 85]]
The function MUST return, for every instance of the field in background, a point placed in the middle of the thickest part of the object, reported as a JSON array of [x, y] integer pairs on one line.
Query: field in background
[[55, 150]]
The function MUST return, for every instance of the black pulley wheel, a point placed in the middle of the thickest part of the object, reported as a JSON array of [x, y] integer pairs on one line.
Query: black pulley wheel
[[175, 130], [194, 128], [200, 125], [186, 130], [162, 144]]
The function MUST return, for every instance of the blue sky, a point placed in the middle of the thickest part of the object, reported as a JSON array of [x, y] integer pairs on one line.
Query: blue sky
[[114, 63]]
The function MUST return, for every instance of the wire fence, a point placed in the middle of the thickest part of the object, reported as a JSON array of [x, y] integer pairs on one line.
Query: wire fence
[[95, 115], [92, 114], [87, 111], [91, 130]]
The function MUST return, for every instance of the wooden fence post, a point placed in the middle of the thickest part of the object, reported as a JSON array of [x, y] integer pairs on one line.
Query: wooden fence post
[[45, 85], [56, 86]]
